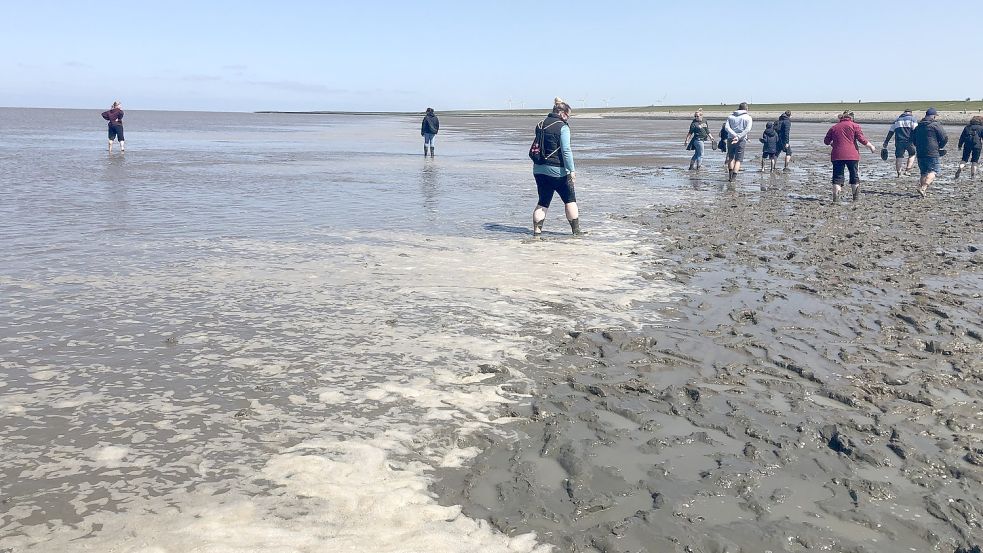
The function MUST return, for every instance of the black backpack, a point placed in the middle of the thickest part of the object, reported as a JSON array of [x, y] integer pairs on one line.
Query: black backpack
[[536, 153]]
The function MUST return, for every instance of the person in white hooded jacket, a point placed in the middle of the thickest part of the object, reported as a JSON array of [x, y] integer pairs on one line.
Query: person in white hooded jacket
[[738, 126]]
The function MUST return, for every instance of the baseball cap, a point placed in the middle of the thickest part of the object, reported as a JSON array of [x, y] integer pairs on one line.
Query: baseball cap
[[931, 111]]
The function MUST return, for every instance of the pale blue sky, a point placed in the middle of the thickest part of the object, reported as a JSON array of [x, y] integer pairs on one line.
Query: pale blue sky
[[371, 55]]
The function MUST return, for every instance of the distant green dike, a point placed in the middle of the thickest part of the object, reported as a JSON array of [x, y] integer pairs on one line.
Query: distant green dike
[[916, 105]]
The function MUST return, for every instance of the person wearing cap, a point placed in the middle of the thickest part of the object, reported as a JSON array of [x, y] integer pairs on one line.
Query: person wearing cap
[[784, 129], [971, 142], [844, 137], [115, 117], [699, 132], [738, 126], [901, 132], [429, 130], [553, 168], [929, 139]]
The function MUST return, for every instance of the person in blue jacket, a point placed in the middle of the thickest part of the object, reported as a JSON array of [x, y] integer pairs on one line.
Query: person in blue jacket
[[554, 171]]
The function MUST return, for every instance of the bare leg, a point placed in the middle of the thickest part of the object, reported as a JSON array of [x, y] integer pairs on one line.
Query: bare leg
[[573, 217], [898, 163], [110, 146], [571, 211], [122, 146], [538, 216], [972, 170], [910, 165], [960, 169], [788, 160]]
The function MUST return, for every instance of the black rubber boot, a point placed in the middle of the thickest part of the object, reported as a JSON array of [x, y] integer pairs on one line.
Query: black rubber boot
[[575, 227], [691, 166], [431, 152], [424, 151]]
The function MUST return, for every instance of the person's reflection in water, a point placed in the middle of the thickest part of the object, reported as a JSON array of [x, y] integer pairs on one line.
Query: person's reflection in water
[[429, 191]]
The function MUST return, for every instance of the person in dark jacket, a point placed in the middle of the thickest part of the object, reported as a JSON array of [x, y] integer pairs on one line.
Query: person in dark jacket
[[971, 142], [115, 117], [901, 132], [784, 130], [429, 131], [929, 139], [699, 132], [554, 170], [844, 137], [770, 146]]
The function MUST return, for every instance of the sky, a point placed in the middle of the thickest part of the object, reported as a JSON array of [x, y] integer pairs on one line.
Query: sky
[[368, 55]]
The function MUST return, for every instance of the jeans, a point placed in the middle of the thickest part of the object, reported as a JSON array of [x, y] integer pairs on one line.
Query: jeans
[[697, 151], [428, 139]]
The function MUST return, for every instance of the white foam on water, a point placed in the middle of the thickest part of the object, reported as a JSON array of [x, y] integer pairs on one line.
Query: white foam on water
[[335, 398]]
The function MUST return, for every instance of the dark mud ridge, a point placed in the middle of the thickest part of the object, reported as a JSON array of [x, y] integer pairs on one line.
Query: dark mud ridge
[[821, 389]]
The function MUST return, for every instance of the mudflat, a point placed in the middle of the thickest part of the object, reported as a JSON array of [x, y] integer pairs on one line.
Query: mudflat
[[819, 387]]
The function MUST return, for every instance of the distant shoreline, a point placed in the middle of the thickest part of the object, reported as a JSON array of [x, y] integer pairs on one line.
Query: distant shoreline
[[950, 111]]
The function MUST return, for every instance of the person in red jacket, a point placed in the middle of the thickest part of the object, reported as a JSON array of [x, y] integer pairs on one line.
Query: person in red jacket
[[843, 137]]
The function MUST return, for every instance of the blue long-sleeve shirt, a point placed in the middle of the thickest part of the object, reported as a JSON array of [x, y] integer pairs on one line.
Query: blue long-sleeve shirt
[[565, 151]]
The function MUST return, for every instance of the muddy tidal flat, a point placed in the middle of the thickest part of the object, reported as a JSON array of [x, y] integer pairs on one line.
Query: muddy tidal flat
[[294, 333]]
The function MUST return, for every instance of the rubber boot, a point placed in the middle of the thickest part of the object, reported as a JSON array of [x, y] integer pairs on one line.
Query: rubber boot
[[575, 227], [690, 165], [431, 152], [424, 150], [537, 228]]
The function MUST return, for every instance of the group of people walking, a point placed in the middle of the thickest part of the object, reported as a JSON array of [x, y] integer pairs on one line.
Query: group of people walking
[[923, 141]]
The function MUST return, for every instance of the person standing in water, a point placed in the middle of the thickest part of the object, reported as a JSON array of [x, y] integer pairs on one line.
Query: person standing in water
[[929, 139], [553, 168], [115, 117], [784, 130], [429, 131], [770, 146], [738, 126], [699, 132], [901, 132], [971, 142], [843, 137]]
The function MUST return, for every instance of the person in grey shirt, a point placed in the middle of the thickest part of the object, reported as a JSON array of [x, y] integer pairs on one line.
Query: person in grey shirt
[[738, 126]]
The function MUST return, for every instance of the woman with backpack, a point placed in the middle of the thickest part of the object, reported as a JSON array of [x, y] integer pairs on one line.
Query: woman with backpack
[[699, 132], [971, 142], [553, 167]]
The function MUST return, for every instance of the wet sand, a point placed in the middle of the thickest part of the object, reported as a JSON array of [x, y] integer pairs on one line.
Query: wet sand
[[819, 387]]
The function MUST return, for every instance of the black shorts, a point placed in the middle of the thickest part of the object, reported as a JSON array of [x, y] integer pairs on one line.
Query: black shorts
[[971, 154], [768, 155], [900, 148], [787, 149], [736, 151], [547, 185], [116, 132]]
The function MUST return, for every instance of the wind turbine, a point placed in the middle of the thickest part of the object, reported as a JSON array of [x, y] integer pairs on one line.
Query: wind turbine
[[510, 103]]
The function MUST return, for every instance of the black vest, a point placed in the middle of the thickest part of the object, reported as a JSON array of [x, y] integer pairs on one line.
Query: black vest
[[551, 127]]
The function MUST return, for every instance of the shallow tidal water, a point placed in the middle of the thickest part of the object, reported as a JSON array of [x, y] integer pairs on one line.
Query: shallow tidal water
[[265, 332]]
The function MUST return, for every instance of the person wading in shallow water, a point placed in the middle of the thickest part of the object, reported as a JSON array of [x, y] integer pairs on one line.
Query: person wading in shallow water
[[738, 126], [843, 137], [901, 132], [699, 132], [429, 130], [971, 142], [929, 139], [115, 117], [553, 167]]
